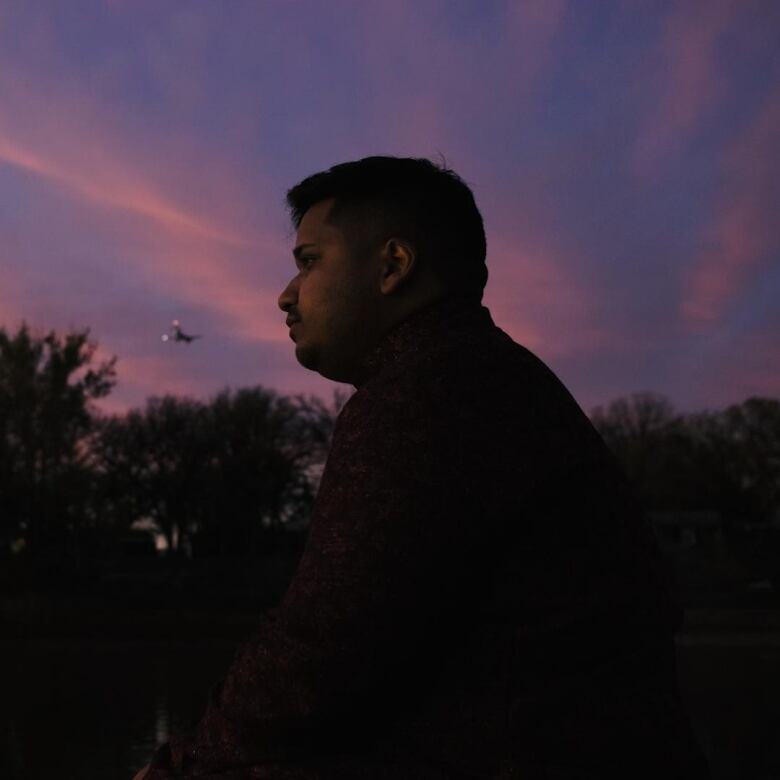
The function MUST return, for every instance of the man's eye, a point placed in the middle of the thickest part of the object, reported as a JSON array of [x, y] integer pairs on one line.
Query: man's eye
[[305, 259]]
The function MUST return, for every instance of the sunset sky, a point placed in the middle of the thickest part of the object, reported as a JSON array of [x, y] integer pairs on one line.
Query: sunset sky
[[624, 157]]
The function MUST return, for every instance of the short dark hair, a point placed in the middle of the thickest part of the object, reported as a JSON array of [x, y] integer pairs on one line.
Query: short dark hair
[[377, 198]]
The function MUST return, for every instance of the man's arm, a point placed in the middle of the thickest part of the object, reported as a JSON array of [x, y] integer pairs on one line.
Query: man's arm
[[376, 592]]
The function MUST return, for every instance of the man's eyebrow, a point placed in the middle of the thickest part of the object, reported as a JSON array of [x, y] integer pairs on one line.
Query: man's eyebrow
[[298, 249]]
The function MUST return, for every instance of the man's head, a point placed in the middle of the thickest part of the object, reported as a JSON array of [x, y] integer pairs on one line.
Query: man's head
[[376, 240]]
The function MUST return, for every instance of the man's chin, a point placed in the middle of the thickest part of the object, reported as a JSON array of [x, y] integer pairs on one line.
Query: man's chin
[[305, 357], [309, 358]]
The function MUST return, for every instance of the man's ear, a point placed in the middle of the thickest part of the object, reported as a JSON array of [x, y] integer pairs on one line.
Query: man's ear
[[398, 260]]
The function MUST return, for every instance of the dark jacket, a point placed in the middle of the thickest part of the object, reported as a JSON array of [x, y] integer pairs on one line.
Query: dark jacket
[[480, 594]]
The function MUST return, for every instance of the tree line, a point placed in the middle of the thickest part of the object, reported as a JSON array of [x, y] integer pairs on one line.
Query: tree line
[[227, 475], [222, 477], [726, 462]]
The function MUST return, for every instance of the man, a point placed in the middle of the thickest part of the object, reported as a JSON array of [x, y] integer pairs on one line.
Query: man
[[480, 595]]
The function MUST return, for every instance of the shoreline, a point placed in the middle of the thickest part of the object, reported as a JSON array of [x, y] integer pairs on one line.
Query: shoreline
[[96, 619]]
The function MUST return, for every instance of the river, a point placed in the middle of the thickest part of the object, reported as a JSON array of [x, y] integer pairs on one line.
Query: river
[[96, 709]]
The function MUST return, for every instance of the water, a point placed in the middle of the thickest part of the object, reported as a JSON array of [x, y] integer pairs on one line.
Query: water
[[96, 709], [731, 685]]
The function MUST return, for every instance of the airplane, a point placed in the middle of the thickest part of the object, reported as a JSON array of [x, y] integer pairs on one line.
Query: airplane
[[177, 334]]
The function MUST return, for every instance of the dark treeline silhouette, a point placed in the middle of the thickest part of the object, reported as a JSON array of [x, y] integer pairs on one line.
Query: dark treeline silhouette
[[710, 482], [232, 477], [219, 477], [726, 461], [235, 477]]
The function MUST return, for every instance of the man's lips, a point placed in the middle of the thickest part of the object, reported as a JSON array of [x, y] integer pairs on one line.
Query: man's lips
[[291, 321]]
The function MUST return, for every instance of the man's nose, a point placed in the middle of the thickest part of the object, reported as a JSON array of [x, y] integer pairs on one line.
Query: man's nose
[[287, 298]]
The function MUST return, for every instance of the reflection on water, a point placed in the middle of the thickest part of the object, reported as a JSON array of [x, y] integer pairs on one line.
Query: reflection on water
[[162, 718], [12, 749], [97, 710]]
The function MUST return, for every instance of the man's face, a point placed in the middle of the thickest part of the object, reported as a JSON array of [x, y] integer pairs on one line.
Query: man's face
[[334, 297]]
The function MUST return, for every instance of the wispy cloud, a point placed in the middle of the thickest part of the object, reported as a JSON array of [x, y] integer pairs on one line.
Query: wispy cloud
[[744, 234], [538, 297], [530, 29], [66, 140], [10, 311], [111, 185], [112, 189], [144, 157], [687, 71]]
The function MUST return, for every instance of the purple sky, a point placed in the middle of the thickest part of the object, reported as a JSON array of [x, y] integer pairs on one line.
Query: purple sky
[[624, 157]]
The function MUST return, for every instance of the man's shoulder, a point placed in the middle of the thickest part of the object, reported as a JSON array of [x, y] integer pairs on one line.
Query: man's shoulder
[[460, 357], [491, 386], [481, 374]]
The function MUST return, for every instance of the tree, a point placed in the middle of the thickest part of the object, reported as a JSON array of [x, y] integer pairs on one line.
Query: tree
[[726, 461], [649, 440], [739, 450], [155, 464], [47, 386], [266, 465], [309, 431], [226, 474], [754, 427]]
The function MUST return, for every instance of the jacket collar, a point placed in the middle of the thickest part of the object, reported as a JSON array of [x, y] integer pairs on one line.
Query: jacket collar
[[443, 322]]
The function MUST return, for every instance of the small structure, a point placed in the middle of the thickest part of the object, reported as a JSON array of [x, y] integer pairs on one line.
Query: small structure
[[683, 529]]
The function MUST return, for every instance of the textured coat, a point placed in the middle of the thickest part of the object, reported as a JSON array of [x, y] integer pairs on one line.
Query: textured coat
[[480, 595]]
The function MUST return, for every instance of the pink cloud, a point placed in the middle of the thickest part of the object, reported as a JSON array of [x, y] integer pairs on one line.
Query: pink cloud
[[10, 312], [530, 29], [690, 81], [138, 189], [750, 368], [544, 304], [79, 164], [155, 371], [745, 230], [114, 189], [418, 104]]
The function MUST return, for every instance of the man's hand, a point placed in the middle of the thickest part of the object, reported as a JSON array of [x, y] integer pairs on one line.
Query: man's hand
[[142, 773]]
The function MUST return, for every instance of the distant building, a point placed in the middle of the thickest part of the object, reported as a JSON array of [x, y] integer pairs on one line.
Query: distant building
[[683, 529], [146, 527]]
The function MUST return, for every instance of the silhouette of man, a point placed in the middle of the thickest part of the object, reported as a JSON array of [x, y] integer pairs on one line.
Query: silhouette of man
[[480, 595]]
